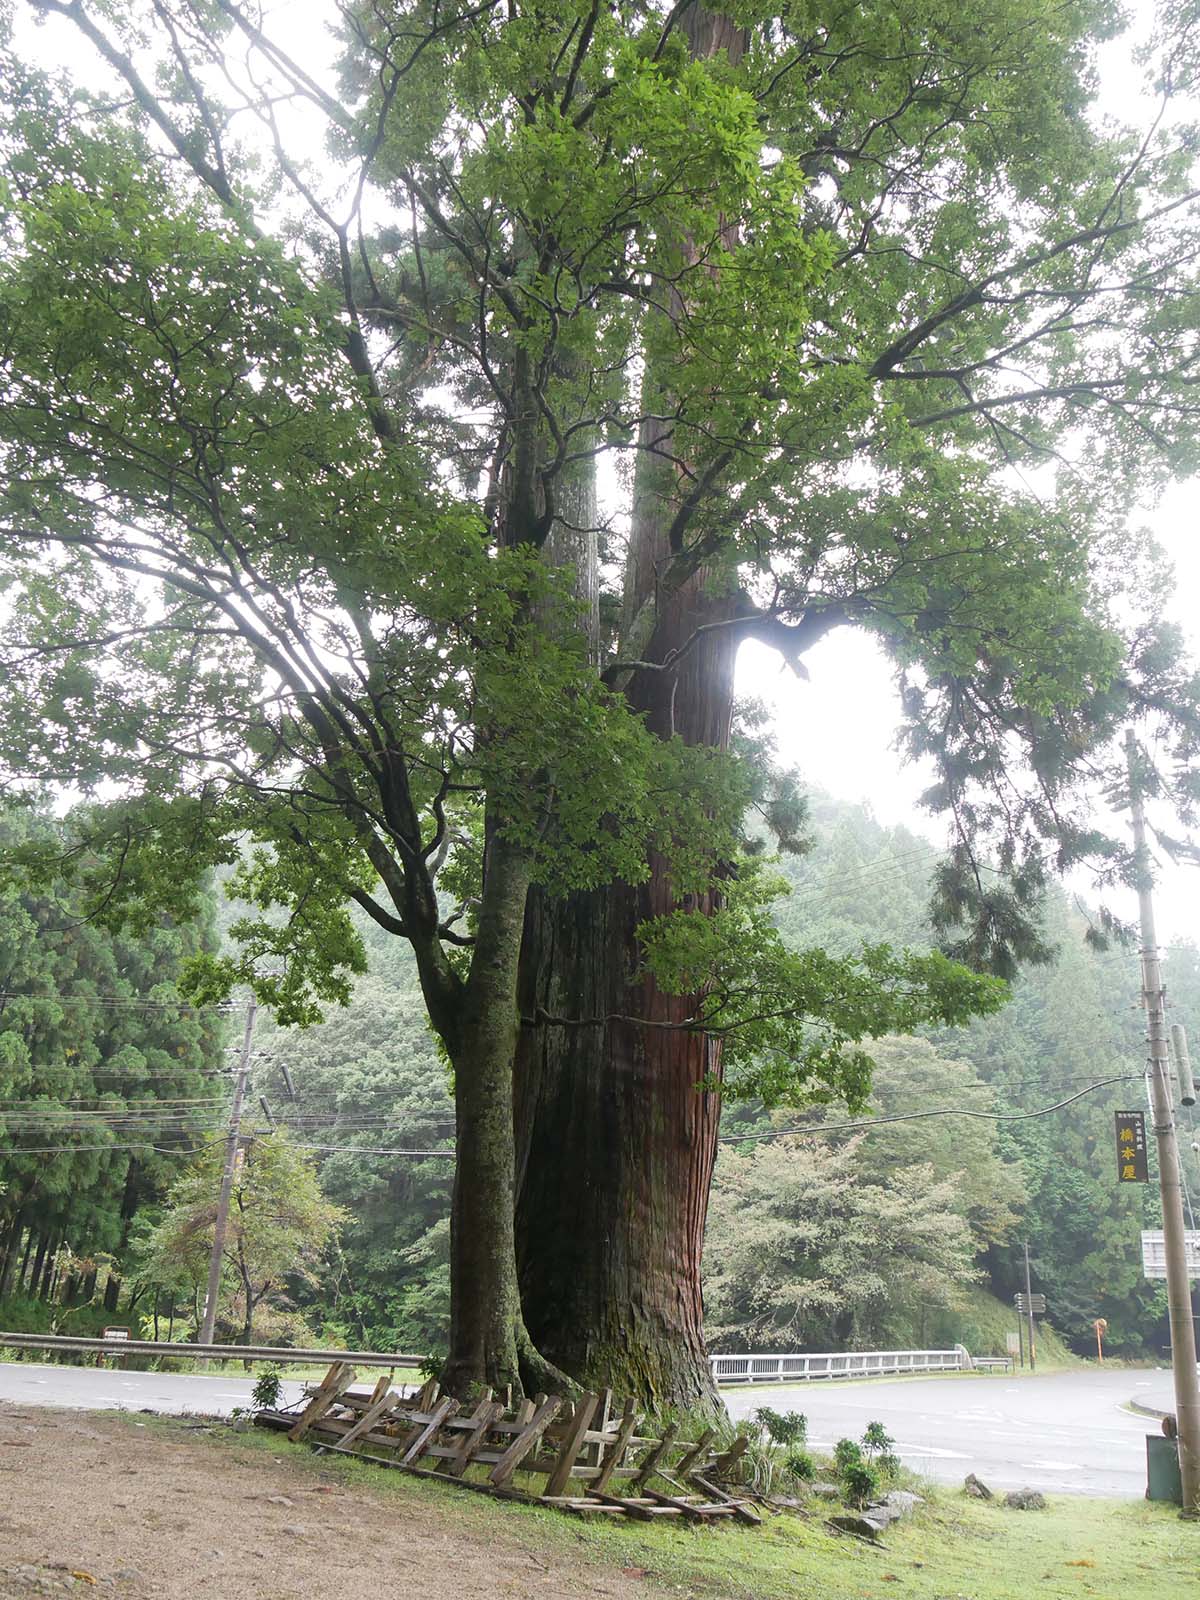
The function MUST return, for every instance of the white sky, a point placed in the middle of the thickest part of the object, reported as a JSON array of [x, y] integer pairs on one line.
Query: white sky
[[839, 727]]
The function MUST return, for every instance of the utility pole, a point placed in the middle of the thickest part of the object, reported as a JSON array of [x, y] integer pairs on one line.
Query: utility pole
[[227, 1176], [1179, 1292], [1029, 1312]]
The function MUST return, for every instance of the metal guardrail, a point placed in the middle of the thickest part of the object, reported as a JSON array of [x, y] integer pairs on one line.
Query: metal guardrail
[[204, 1352], [848, 1364]]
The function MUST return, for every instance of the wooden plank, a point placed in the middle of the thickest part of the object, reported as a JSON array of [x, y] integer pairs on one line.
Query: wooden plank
[[427, 1394], [641, 1508], [733, 1455], [438, 1477], [615, 1451], [445, 1408], [370, 1417], [690, 1458], [691, 1509], [740, 1509], [525, 1441], [581, 1507], [339, 1377], [484, 1415], [525, 1414], [652, 1457], [572, 1444]]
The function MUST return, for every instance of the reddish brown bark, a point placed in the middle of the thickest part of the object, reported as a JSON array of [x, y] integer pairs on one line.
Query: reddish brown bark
[[615, 1139]]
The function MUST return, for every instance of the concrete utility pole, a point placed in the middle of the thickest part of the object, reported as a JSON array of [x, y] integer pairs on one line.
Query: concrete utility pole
[[1179, 1291], [1029, 1312], [227, 1176]]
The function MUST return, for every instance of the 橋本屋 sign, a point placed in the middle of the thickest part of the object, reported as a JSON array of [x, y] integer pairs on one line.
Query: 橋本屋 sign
[[1131, 1147]]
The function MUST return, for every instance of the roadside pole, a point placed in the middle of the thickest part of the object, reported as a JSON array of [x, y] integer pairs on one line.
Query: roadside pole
[[231, 1153], [1029, 1312], [1179, 1294]]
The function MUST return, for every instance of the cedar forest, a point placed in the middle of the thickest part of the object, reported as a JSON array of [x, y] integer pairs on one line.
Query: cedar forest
[[398, 440]]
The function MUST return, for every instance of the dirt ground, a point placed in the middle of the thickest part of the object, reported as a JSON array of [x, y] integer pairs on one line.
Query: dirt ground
[[154, 1511]]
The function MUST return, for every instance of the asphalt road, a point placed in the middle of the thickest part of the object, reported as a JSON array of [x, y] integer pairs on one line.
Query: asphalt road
[[1062, 1432], [110, 1389]]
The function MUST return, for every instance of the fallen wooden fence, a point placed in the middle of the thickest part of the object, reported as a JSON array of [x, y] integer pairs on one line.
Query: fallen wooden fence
[[590, 1455]]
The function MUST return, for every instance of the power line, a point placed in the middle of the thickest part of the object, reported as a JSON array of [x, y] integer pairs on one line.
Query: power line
[[917, 1116], [114, 1002], [367, 1150], [84, 1149]]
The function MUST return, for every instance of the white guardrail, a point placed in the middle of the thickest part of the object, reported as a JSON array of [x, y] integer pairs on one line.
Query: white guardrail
[[850, 1364], [120, 1346]]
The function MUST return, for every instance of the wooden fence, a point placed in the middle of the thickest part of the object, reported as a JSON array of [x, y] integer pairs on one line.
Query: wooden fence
[[585, 1456]]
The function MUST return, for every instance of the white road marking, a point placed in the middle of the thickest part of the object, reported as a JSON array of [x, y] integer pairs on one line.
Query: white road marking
[[933, 1450], [1052, 1466]]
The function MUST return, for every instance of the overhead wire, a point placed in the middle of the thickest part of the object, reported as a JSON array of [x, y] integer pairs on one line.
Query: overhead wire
[[918, 1116]]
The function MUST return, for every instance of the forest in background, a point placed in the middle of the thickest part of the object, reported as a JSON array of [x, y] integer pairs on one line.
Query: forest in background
[[836, 1237]]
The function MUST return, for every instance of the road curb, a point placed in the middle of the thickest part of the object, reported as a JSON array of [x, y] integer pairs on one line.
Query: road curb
[[1147, 1411]]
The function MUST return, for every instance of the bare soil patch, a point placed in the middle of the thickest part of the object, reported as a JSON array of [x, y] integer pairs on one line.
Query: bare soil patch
[[116, 1505]]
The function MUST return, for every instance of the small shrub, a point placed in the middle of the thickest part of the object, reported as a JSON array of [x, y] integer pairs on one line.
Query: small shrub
[[267, 1385], [846, 1453], [888, 1464], [860, 1482], [801, 1465], [876, 1440], [783, 1427]]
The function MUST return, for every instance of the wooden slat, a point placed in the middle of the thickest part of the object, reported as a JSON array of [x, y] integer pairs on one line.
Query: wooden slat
[[612, 1456], [484, 1415], [427, 1395], [740, 1509], [572, 1444], [689, 1460], [641, 1508], [601, 1420], [689, 1508], [733, 1455], [370, 1417], [445, 1408], [653, 1456], [339, 1377], [525, 1441]]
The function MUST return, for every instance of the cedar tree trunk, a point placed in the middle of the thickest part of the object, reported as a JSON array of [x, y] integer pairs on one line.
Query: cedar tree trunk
[[615, 1139]]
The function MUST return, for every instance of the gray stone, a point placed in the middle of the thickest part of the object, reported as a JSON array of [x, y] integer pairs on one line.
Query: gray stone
[[862, 1526], [825, 1491], [975, 1488], [1025, 1500], [895, 1504]]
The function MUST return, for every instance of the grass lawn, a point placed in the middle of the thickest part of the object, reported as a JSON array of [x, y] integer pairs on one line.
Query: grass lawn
[[953, 1549]]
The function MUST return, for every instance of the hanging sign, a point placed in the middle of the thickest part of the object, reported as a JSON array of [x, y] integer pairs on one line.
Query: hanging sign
[[1131, 1147]]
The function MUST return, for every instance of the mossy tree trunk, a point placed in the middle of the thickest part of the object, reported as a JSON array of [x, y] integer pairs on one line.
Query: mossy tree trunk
[[488, 1341]]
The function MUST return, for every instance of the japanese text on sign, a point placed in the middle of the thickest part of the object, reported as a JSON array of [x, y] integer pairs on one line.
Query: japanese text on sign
[[1131, 1147]]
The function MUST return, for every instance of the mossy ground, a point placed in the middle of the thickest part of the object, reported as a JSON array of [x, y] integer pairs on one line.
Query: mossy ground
[[952, 1549]]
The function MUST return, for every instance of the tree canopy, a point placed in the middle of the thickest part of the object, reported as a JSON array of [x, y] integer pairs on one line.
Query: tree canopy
[[298, 512]]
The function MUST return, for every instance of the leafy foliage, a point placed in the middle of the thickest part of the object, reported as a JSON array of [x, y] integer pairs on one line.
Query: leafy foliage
[[783, 1427], [802, 1249], [279, 1226], [107, 1076]]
